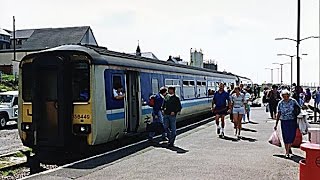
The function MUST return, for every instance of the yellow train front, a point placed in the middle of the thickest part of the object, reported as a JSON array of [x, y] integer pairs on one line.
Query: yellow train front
[[66, 95]]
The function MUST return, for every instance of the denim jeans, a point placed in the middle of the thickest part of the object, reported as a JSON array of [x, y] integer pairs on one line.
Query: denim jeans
[[159, 119], [170, 127]]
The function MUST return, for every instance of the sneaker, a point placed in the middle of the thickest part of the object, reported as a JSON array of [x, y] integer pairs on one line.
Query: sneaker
[[238, 137], [170, 145], [218, 130], [222, 134]]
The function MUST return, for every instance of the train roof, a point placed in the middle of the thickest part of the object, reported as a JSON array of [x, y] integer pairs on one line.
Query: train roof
[[103, 56]]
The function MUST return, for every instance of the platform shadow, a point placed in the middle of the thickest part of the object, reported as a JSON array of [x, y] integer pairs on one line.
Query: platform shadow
[[295, 158], [127, 149], [248, 130], [174, 148], [248, 139], [228, 138], [252, 122]]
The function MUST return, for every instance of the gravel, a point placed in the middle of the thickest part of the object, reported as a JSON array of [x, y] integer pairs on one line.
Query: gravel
[[10, 140], [22, 172]]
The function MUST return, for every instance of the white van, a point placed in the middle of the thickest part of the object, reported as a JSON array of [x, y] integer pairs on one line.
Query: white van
[[8, 107]]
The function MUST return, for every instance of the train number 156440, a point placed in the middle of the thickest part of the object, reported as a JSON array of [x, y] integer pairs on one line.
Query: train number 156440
[[81, 116]]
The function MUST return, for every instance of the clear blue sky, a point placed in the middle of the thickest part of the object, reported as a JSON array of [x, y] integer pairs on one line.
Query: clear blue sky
[[238, 34]]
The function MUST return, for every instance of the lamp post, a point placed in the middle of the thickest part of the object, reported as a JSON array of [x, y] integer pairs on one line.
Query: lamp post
[[281, 69], [298, 42], [291, 62], [278, 74], [271, 74]]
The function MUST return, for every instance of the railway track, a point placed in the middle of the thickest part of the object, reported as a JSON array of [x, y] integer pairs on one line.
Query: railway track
[[20, 168]]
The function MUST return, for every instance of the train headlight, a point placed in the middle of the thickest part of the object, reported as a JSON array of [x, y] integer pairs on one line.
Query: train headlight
[[82, 129], [26, 126]]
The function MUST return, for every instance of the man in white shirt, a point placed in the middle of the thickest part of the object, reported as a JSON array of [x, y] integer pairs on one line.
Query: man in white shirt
[[117, 92]]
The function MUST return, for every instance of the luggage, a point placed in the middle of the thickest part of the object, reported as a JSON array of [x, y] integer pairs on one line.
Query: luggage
[[275, 139], [298, 139]]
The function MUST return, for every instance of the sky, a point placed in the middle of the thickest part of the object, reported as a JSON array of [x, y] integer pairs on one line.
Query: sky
[[238, 34]]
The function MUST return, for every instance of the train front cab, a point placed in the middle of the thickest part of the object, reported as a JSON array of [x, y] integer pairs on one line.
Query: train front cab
[[55, 101]]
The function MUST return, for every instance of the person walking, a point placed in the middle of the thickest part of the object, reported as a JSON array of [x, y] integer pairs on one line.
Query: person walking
[[307, 96], [287, 116], [230, 91], [220, 108], [157, 112], [316, 96], [172, 106], [248, 99], [273, 100], [238, 104]]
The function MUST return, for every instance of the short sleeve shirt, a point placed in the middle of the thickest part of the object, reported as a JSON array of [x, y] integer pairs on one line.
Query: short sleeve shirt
[[238, 101], [286, 109], [116, 94], [221, 98]]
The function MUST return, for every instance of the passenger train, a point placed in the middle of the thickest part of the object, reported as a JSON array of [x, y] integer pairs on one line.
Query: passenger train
[[67, 98]]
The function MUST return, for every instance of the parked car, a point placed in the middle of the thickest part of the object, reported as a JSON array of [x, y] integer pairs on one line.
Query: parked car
[[8, 107]]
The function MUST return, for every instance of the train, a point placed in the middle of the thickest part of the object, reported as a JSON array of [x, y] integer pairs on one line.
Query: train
[[66, 94]]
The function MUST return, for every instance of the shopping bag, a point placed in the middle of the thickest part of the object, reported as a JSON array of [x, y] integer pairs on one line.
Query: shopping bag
[[298, 139], [303, 123], [275, 139]]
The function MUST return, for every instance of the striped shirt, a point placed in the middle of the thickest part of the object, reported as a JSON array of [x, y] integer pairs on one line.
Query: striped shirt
[[238, 101]]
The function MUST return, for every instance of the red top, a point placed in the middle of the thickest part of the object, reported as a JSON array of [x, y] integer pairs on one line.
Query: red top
[[310, 146]]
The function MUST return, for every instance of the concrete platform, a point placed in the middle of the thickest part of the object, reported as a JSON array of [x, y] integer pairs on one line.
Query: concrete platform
[[199, 154]]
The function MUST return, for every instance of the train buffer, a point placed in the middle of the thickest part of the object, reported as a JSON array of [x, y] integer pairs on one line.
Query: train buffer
[[198, 154]]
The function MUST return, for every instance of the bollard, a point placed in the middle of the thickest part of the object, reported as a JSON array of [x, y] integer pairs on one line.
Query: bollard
[[310, 167]]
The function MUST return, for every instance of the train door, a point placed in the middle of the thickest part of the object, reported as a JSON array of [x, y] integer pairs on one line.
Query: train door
[[133, 105], [52, 103]]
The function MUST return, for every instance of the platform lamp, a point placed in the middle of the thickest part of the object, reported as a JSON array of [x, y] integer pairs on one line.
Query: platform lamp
[[271, 74], [291, 62]]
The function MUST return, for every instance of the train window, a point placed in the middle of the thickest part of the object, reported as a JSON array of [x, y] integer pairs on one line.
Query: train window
[[176, 82], [198, 83], [27, 82], [155, 86], [191, 83], [186, 83], [169, 82], [203, 83], [118, 93], [80, 81], [116, 81]]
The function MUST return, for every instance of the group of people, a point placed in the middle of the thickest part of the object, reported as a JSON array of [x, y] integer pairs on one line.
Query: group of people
[[236, 103], [165, 109]]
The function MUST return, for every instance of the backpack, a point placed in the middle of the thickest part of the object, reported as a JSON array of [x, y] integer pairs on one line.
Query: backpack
[[152, 100]]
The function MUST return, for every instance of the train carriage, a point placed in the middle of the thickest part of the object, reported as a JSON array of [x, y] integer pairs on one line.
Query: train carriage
[[67, 94]]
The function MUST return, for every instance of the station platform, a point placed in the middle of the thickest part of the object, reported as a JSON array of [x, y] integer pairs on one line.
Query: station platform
[[199, 154]]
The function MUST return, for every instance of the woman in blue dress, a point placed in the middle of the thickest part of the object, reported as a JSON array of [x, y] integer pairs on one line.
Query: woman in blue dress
[[288, 120]]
